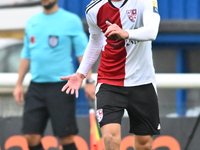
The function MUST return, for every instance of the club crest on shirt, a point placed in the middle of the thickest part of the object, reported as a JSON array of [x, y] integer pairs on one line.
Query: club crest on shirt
[[53, 40], [99, 115], [132, 14]]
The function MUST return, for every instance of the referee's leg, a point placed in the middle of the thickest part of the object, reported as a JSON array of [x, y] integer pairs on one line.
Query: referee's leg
[[62, 110], [68, 143], [35, 117], [34, 141]]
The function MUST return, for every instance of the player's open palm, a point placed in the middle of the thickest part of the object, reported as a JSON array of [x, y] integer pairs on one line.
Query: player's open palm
[[73, 84]]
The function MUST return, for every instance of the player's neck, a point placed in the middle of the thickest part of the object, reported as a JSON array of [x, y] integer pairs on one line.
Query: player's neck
[[52, 10]]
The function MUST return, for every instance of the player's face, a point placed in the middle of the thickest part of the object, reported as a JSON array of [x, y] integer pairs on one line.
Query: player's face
[[48, 4]]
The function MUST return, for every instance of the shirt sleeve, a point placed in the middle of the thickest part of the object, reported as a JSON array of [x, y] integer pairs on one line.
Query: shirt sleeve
[[79, 39], [25, 53], [91, 54], [151, 21], [92, 23]]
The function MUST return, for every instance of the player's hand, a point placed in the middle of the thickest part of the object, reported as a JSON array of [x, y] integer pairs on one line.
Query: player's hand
[[18, 94], [114, 29], [73, 84]]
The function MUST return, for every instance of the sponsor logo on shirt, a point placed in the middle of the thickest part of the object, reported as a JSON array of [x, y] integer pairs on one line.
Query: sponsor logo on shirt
[[132, 14], [130, 42], [155, 6], [159, 127], [53, 40]]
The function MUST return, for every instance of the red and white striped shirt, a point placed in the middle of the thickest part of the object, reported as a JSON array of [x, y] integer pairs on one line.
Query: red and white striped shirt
[[124, 62]]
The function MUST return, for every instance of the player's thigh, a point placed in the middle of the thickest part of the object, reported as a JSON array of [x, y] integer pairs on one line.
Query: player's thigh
[[61, 107], [35, 113], [143, 110], [111, 101]]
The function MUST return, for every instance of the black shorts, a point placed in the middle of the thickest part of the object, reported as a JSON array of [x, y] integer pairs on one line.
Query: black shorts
[[44, 101], [141, 103]]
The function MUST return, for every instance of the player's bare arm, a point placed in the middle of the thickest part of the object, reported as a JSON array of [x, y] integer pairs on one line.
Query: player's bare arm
[[114, 29]]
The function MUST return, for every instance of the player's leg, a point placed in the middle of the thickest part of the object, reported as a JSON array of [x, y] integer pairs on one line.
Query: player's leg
[[111, 134], [143, 142], [35, 116], [144, 115], [62, 112], [111, 102]]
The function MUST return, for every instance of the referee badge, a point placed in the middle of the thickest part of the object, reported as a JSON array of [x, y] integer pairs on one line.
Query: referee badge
[[132, 14], [53, 40]]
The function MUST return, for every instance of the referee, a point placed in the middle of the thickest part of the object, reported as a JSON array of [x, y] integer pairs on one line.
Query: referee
[[49, 38]]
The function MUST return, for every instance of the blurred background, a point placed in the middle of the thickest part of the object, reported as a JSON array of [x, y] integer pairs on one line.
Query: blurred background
[[176, 50]]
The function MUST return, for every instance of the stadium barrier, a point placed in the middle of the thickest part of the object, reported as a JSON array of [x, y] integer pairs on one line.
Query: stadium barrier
[[164, 81]]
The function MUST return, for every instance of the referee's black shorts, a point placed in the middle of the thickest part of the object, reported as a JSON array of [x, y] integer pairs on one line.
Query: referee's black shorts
[[141, 103], [44, 101]]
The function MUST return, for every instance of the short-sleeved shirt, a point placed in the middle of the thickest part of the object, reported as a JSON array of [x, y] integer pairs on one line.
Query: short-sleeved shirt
[[49, 42], [123, 62]]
